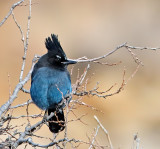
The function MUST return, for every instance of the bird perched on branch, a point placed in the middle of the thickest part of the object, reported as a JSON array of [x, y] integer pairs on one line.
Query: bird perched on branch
[[51, 83]]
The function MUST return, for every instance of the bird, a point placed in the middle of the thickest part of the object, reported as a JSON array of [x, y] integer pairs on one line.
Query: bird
[[51, 83]]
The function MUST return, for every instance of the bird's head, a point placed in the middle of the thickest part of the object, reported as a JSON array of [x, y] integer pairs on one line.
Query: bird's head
[[56, 55]]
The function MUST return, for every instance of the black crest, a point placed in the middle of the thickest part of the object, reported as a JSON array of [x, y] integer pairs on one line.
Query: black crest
[[54, 47]]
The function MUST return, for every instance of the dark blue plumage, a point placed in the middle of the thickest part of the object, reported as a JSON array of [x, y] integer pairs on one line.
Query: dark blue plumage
[[50, 82]]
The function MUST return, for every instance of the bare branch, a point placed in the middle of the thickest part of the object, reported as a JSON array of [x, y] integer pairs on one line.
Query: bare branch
[[9, 85], [29, 140], [25, 90], [30, 129], [24, 116], [103, 94], [10, 12], [141, 48], [85, 59], [22, 105], [113, 64], [105, 131], [20, 29], [26, 42], [94, 137], [136, 142], [84, 104], [4, 107]]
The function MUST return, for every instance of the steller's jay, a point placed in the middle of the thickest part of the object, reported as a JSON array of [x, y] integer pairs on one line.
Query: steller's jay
[[50, 82]]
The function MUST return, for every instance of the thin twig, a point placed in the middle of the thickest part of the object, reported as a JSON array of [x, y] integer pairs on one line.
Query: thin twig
[[30, 129], [26, 42], [141, 48], [94, 137], [10, 12], [5, 106], [105, 131], [100, 57], [9, 82], [22, 105], [20, 29]]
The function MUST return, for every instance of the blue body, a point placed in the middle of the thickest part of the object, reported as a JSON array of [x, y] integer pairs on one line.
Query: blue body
[[49, 86]]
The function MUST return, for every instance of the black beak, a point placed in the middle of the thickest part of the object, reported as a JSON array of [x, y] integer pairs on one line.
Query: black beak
[[68, 61]]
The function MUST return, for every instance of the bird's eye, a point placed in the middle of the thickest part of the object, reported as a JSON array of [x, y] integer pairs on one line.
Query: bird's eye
[[58, 57]]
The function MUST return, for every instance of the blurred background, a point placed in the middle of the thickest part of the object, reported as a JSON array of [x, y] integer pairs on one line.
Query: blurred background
[[92, 28]]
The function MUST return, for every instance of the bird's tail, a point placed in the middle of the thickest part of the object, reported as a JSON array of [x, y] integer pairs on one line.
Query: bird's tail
[[57, 122]]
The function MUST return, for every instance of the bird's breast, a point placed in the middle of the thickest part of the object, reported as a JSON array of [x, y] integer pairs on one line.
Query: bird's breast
[[49, 87]]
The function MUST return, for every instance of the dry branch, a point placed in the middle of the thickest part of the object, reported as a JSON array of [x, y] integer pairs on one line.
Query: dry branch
[[10, 12], [16, 90], [105, 131]]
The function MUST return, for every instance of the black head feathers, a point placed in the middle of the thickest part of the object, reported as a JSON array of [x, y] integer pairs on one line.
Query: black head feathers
[[56, 56], [54, 47]]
